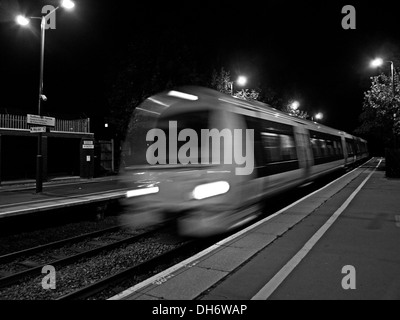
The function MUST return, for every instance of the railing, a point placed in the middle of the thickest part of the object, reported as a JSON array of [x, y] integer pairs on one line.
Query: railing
[[16, 122]]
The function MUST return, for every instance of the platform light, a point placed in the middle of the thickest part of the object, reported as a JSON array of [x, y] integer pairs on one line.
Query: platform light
[[242, 80], [22, 20], [376, 62], [209, 190], [295, 105], [67, 4], [319, 116]]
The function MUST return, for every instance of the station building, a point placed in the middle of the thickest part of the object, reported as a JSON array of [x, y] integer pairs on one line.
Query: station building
[[68, 149]]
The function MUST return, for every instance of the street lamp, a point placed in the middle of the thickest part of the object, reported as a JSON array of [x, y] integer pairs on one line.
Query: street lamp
[[318, 116], [294, 105], [67, 4], [23, 21], [241, 81], [377, 63]]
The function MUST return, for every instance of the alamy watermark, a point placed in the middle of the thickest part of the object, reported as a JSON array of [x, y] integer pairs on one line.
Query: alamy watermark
[[189, 152], [349, 280], [51, 19], [349, 20], [49, 281]]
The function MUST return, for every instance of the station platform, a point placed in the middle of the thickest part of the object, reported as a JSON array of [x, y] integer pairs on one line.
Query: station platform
[[19, 198], [339, 242]]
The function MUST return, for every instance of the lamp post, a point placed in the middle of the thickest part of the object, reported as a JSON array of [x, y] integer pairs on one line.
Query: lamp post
[[23, 21], [241, 81], [377, 63]]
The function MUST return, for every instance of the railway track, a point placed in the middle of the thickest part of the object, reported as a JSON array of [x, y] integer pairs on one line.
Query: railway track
[[32, 260], [14, 255]]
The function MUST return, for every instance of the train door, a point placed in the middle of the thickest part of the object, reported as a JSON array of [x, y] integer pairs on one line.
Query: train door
[[351, 156], [345, 151], [303, 148]]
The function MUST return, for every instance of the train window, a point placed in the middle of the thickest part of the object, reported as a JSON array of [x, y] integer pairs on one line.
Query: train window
[[288, 149], [335, 147], [275, 148], [315, 147], [326, 147], [271, 143], [339, 148], [330, 148], [278, 147], [349, 146], [322, 145], [276, 127]]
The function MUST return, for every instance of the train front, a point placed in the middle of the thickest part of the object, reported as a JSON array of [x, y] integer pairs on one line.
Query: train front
[[167, 170]]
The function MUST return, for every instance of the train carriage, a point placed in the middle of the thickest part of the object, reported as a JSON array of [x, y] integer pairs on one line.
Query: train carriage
[[208, 160]]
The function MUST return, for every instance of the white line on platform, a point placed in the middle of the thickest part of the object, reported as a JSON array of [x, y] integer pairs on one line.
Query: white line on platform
[[277, 280], [201, 254]]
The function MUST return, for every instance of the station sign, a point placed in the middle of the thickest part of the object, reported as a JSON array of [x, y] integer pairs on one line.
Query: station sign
[[38, 129], [88, 144], [41, 121]]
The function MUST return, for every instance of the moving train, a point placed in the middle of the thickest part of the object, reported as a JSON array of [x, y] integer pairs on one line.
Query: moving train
[[209, 161]]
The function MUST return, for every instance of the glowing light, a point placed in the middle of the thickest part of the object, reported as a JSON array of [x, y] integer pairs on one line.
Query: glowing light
[[67, 4], [242, 80], [376, 62], [182, 95], [319, 116], [141, 192], [295, 105], [210, 190], [21, 20]]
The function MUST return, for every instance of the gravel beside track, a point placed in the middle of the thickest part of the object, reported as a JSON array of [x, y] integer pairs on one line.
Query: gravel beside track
[[86, 271]]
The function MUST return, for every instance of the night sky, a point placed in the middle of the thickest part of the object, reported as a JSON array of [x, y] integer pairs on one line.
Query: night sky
[[297, 48]]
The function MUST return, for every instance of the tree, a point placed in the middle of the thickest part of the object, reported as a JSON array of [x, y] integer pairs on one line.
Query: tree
[[380, 119], [245, 94], [296, 113], [380, 114], [220, 81]]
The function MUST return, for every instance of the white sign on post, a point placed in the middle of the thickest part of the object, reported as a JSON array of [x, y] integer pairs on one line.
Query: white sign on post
[[88, 144], [38, 129], [41, 121]]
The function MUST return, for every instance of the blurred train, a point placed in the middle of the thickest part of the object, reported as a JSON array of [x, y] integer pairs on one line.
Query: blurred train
[[206, 195]]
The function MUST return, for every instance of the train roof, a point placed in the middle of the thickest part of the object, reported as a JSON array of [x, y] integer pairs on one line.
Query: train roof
[[197, 95]]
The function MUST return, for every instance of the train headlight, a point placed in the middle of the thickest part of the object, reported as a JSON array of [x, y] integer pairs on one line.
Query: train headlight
[[141, 192], [210, 190]]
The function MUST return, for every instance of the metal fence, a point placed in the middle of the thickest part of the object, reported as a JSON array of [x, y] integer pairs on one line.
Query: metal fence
[[16, 122]]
